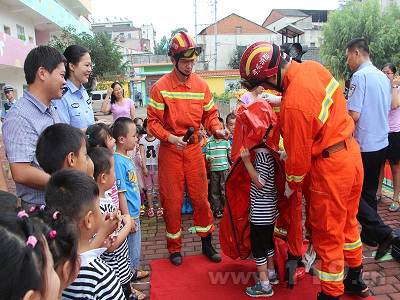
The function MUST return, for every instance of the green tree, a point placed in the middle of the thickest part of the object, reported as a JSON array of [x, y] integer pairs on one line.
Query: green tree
[[234, 61], [106, 57], [367, 20], [161, 48]]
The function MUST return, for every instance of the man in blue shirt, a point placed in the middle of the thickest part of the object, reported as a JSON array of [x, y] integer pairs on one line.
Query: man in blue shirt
[[9, 93], [44, 72], [369, 100]]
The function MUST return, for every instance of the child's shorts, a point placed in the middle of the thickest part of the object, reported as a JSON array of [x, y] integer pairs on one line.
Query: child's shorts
[[151, 180], [262, 239]]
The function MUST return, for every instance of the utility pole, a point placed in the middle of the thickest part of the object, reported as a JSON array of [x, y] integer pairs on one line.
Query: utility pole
[[195, 20], [215, 33]]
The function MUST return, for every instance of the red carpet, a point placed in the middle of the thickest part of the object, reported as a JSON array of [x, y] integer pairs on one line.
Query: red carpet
[[197, 278]]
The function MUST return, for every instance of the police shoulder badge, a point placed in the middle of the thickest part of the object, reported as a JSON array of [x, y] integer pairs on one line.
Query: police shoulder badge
[[352, 89]]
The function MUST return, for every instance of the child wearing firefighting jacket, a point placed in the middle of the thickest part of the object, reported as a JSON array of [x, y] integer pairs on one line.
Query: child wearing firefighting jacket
[[263, 214]]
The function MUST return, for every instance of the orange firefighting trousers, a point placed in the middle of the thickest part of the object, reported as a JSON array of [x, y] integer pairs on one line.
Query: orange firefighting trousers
[[177, 167], [334, 193]]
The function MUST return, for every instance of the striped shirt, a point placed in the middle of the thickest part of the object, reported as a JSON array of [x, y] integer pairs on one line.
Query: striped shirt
[[23, 124], [218, 151], [263, 210], [96, 280], [119, 258]]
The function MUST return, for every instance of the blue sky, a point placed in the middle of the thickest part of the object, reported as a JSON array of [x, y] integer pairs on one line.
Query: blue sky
[[166, 15]]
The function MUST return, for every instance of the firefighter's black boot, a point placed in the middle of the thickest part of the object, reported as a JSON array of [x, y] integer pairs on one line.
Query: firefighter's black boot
[[208, 250], [322, 296], [290, 269], [354, 284], [175, 258]]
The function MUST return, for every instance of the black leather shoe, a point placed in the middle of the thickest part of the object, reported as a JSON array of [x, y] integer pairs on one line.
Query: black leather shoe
[[322, 296], [384, 247], [175, 258], [208, 250]]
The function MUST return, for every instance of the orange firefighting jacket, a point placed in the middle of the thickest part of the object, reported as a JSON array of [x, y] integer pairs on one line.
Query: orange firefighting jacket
[[313, 117], [175, 106]]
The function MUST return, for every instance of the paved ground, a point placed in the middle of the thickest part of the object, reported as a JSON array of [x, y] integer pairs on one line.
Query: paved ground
[[383, 277]]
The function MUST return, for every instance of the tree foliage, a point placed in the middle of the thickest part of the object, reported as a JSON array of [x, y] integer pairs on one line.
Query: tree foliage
[[161, 48], [361, 19], [234, 61], [106, 57]]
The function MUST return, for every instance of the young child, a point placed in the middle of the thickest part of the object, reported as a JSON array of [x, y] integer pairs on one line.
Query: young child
[[61, 146], [100, 135], [116, 255], [27, 269], [230, 125], [217, 155], [124, 133], [76, 196], [149, 146], [263, 214], [138, 162]]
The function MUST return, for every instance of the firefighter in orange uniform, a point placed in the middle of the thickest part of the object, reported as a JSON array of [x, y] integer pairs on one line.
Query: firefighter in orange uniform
[[178, 101], [317, 134]]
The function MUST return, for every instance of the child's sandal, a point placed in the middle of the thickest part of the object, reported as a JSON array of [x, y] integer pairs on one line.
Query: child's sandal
[[160, 212], [150, 212]]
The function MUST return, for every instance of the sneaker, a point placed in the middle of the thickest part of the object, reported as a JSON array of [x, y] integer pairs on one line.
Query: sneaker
[[394, 206], [258, 291], [274, 279], [219, 214]]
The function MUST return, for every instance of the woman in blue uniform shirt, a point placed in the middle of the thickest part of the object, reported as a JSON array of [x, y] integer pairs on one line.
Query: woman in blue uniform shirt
[[75, 106]]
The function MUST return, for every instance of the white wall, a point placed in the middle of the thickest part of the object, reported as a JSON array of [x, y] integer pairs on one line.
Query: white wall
[[11, 20], [226, 45]]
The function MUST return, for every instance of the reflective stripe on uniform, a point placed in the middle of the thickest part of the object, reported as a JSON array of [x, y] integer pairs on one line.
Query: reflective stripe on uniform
[[327, 102], [294, 178], [195, 229], [208, 106], [173, 236], [325, 276], [280, 231], [156, 105], [182, 95], [353, 245]]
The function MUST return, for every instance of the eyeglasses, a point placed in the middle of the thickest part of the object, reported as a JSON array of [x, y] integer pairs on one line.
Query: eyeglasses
[[388, 73]]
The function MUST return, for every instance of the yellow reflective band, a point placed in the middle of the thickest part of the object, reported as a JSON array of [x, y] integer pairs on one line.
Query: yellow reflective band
[[156, 105], [290, 178], [173, 236], [280, 231], [327, 102], [325, 276], [251, 56], [209, 105], [195, 229], [353, 245], [180, 40], [182, 95]]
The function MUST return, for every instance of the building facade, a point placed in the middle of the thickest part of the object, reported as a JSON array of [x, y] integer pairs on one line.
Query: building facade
[[24, 24], [220, 40], [310, 22]]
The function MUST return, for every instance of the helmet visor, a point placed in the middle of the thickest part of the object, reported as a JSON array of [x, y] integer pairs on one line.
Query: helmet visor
[[190, 53]]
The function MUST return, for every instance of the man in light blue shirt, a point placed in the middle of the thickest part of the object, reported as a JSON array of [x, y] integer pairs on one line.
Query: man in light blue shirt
[[75, 107], [369, 99], [44, 72]]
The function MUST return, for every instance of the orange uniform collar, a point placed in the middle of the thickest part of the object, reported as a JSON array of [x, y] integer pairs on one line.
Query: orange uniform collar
[[292, 70], [176, 82]]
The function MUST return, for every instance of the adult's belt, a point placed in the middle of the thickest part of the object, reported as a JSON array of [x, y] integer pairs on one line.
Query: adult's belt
[[332, 149]]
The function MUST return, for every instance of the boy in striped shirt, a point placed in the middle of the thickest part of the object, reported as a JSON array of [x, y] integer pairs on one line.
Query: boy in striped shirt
[[218, 152]]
